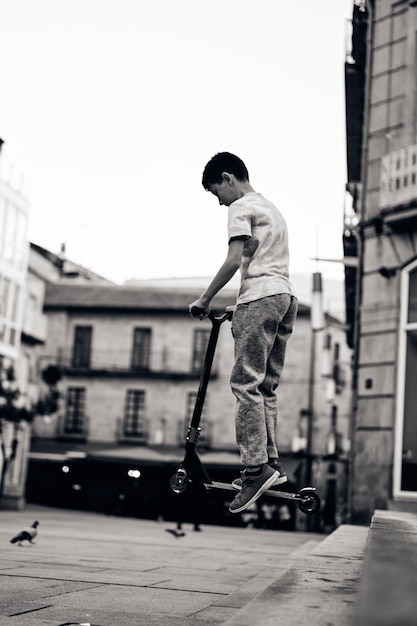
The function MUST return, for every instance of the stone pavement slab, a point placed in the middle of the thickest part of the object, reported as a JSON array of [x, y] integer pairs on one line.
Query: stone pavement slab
[[87, 568], [320, 589]]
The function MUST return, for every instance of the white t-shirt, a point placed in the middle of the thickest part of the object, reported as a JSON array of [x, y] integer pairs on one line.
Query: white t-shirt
[[265, 258]]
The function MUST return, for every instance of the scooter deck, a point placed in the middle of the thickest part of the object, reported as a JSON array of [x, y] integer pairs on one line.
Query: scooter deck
[[270, 493]]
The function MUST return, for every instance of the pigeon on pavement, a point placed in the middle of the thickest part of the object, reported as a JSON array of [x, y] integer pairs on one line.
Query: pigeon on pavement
[[26, 535]]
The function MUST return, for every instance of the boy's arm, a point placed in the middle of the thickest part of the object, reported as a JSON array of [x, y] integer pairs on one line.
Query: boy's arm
[[225, 273]]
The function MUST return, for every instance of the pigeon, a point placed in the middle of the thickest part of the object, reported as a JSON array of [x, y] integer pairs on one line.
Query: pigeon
[[26, 535]]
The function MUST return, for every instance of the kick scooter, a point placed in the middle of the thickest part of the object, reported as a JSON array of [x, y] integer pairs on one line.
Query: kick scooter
[[191, 469]]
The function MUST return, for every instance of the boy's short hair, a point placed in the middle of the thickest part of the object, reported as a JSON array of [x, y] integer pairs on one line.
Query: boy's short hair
[[223, 162]]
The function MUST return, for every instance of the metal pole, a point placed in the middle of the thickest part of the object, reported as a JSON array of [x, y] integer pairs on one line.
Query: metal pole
[[310, 411], [317, 324]]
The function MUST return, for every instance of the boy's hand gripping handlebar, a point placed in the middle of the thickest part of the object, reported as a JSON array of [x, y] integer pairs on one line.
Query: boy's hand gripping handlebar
[[195, 311]]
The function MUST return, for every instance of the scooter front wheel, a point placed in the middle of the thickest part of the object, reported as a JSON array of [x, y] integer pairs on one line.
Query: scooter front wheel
[[179, 481], [310, 502]]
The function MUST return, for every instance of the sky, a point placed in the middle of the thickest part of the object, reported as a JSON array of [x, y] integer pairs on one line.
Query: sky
[[112, 108]]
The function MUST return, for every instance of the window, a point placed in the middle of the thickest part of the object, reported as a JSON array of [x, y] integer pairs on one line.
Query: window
[[3, 209], [5, 296], [75, 411], [82, 346], [141, 348], [405, 458], [337, 370], [15, 305], [134, 418], [12, 336], [201, 337], [20, 240], [10, 232]]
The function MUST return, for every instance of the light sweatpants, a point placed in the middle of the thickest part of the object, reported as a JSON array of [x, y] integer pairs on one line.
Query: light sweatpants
[[261, 330]]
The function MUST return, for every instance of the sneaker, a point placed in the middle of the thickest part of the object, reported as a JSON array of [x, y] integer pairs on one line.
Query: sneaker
[[253, 487], [276, 465]]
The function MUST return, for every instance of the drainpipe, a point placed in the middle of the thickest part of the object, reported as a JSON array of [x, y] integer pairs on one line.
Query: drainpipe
[[360, 243]]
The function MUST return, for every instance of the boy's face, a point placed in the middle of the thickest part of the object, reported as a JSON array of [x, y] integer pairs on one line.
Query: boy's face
[[226, 192]]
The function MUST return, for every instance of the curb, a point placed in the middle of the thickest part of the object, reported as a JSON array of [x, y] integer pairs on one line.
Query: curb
[[318, 589], [389, 592]]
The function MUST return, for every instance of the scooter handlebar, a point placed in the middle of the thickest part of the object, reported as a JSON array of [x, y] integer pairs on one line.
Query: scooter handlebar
[[196, 311], [227, 315]]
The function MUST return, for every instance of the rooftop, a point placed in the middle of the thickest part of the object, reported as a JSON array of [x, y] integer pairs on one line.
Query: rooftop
[[97, 296]]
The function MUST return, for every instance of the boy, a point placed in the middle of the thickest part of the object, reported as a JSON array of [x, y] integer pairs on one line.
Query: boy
[[262, 322]]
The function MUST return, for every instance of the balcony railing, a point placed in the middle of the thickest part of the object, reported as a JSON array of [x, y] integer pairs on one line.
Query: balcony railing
[[127, 435], [119, 363], [67, 430]]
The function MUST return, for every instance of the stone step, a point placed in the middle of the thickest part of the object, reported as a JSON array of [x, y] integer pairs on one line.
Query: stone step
[[388, 594], [315, 588]]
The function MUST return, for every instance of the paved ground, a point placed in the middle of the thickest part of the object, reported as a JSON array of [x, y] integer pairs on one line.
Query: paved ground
[[94, 570], [106, 571]]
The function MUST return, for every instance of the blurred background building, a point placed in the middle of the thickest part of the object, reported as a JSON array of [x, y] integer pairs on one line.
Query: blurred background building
[[99, 380], [14, 416], [99, 383], [130, 359]]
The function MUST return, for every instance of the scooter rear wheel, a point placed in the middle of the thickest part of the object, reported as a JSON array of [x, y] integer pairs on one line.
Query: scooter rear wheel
[[179, 481], [310, 503]]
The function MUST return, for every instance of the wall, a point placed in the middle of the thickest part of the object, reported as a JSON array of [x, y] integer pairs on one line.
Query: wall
[[390, 126]]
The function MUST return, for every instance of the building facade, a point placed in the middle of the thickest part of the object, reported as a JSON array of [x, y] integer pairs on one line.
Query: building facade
[[14, 209], [381, 232], [44, 267], [131, 360], [14, 418], [24, 272]]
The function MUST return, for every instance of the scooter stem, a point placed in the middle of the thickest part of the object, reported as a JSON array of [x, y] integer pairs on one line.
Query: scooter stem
[[206, 371]]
